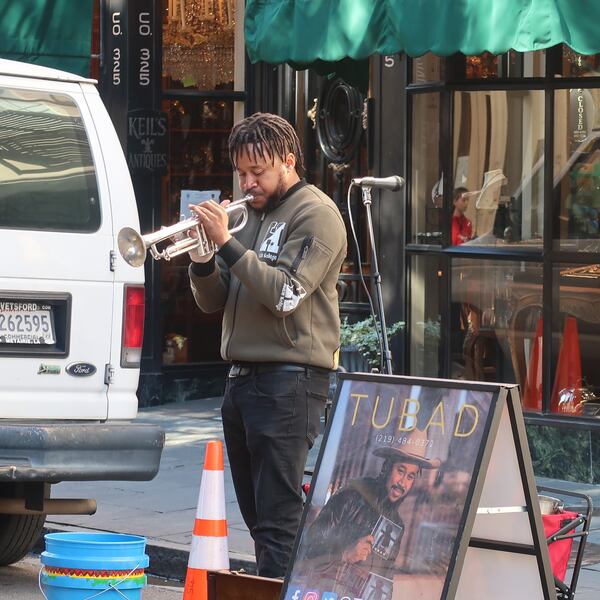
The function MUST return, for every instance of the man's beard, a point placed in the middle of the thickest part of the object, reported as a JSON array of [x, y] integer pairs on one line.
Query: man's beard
[[276, 196]]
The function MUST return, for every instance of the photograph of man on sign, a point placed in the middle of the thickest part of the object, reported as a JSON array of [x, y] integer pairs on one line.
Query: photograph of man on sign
[[389, 491], [361, 525]]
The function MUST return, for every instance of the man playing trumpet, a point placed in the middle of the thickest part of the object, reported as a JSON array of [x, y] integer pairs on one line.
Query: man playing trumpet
[[276, 281]]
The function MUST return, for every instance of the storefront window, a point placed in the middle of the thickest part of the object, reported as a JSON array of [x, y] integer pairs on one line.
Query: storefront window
[[431, 68], [498, 168], [526, 64], [198, 44], [426, 181], [198, 67], [490, 315], [199, 169], [579, 65], [512, 64], [576, 193], [482, 66], [428, 67], [576, 337], [425, 316], [495, 314]]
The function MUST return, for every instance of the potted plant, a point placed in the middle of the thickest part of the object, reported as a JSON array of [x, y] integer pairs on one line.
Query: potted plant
[[359, 343]]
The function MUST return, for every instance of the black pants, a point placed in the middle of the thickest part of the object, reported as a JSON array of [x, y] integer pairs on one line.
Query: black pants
[[270, 421]]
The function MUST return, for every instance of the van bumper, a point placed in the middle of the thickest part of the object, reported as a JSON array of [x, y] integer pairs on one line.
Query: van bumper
[[82, 451]]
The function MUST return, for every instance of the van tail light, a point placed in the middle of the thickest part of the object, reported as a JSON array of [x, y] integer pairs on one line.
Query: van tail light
[[133, 326]]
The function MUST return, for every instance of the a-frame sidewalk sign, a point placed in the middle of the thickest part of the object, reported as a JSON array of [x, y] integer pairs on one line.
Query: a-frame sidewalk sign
[[423, 489]]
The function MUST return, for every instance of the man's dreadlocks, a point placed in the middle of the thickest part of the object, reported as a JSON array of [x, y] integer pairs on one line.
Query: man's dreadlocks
[[266, 133]]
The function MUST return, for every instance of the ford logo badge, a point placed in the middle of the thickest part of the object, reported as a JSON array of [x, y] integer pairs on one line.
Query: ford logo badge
[[81, 369]]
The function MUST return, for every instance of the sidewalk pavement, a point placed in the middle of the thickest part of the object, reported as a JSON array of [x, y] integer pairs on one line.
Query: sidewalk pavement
[[163, 510]]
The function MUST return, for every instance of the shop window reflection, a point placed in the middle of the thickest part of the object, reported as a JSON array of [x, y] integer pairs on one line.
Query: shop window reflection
[[428, 67], [427, 186], [425, 316], [482, 66], [574, 64], [199, 167], [576, 189], [498, 333], [198, 44], [512, 64], [576, 333], [493, 328], [498, 158]]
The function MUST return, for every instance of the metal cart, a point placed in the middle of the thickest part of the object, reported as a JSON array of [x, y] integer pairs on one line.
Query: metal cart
[[575, 528]]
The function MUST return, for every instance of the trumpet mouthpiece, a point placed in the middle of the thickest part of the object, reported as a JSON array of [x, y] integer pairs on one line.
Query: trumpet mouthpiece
[[131, 246]]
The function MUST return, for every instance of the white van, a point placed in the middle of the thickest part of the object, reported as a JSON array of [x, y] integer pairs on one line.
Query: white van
[[71, 309]]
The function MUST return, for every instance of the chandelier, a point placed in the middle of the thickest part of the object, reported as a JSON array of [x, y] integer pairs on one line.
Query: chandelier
[[198, 42]]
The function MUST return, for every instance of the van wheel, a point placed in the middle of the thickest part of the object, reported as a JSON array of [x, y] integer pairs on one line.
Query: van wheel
[[18, 535]]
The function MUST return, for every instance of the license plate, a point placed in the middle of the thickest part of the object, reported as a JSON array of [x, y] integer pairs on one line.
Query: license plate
[[23, 322]]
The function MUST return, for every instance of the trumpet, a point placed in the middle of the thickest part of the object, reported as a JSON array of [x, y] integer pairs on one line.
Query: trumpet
[[133, 246]]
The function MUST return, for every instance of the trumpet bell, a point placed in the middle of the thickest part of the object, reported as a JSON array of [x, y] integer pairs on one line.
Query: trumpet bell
[[131, 246]]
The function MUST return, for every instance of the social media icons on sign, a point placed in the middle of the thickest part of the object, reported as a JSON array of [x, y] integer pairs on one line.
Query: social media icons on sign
[[294, 594]]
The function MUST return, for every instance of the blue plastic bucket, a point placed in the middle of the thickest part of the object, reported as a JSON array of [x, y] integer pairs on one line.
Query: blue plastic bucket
[[81, 566]]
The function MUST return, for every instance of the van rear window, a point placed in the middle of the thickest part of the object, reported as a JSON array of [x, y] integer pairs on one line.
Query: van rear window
[[47, 177]]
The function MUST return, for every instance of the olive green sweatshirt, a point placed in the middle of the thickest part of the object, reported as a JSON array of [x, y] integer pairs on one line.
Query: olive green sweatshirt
[[276, 281]]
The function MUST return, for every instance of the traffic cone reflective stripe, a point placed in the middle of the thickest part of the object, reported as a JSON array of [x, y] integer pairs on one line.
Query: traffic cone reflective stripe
[[210, 528], [208, 553], [209, 549]]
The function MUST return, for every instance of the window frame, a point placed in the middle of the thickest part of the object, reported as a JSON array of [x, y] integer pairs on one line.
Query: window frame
[[78, 134]]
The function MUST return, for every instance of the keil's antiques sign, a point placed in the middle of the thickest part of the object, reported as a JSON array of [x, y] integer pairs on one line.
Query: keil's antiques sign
[[147, 140]]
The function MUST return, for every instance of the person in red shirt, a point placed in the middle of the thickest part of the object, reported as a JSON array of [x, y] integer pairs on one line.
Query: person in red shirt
[[462, 231], [462, 228], [464, 315]]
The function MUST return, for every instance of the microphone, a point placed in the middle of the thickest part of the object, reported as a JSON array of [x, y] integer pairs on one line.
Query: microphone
[[392, 183]]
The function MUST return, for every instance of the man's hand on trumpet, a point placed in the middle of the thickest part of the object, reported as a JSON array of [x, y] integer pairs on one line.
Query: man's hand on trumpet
[[215, 220], [216, 225]]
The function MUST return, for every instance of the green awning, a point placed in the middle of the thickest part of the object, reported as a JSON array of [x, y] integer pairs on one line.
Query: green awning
[[52, 33], [303, 31]]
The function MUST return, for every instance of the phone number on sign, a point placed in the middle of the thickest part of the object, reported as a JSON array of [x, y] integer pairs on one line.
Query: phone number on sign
[[382, 438]]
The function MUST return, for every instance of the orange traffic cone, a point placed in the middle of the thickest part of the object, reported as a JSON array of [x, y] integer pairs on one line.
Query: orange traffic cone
[[566, 393], [532, 392], [209, 540]]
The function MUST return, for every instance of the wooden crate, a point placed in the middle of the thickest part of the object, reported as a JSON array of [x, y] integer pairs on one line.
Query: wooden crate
[[224, 585]]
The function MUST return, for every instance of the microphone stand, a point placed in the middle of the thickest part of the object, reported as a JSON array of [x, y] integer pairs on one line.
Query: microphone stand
[[386, 354]]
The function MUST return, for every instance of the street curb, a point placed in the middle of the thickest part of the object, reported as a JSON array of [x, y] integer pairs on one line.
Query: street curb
[[169, 563]]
